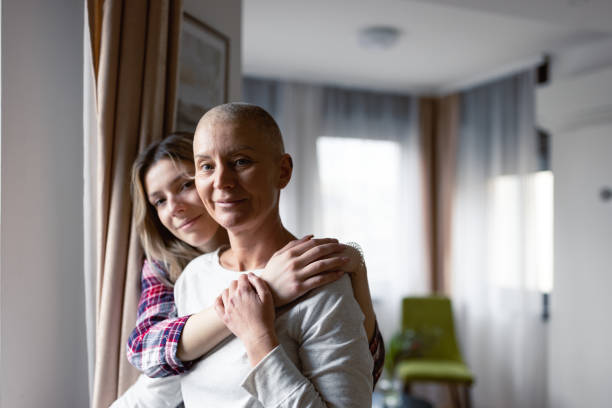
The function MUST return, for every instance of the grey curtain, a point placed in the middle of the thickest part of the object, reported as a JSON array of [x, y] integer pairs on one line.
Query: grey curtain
[[496, 300]]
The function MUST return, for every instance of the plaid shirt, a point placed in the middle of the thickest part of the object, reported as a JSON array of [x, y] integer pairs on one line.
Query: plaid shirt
[[152, 346]]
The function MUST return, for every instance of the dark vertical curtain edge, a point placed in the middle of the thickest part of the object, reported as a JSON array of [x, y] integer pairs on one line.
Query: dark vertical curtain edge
[[438, 126]]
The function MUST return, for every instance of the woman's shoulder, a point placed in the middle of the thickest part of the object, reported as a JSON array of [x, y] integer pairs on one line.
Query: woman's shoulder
[[154, 275], [338, 289], [205, 262], [151, 268], [336, 296]]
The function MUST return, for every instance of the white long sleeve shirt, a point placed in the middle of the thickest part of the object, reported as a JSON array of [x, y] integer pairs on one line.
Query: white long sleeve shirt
[[323, 359], [147, 392]]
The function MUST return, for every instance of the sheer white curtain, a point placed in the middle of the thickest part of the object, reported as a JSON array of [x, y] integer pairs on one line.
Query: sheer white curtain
[[296, 108], [356, 177], [382, 184], [495, 283]]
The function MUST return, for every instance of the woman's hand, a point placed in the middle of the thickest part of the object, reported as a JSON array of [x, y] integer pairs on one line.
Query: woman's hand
[[303, 265], [247, 309], [355, 264]]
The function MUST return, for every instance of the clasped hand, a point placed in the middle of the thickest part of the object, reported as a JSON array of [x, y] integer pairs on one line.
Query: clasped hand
[[246, 307]]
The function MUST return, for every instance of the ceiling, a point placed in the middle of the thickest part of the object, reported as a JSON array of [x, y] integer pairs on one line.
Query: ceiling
[[444, 45]]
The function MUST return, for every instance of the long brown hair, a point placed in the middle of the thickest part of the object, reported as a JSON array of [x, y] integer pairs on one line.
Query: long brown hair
[[158, 243]]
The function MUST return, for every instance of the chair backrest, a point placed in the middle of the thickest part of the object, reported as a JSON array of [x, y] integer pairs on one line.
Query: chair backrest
[[431, 317]]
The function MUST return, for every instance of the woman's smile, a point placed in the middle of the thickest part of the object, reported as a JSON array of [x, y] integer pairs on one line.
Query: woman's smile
[[229, 203], [189, 222]]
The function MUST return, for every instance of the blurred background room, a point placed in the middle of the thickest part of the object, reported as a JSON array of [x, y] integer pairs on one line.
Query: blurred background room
[[465, 145]]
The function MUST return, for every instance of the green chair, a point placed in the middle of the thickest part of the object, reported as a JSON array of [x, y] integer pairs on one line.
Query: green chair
[[434, 355]]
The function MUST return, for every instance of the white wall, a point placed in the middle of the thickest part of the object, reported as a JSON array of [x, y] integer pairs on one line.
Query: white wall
[[43, 358], [224, 16], [578, 112]]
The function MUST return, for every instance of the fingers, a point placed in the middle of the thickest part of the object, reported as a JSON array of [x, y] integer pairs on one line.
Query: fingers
[[321, 251], [260, 287], [220, 307], [312, 243], [321, 280], [243, 282], [294, 243], [225, 297], [233, 286], [331, 263], [236, 290], [303, 246], [309, 251]]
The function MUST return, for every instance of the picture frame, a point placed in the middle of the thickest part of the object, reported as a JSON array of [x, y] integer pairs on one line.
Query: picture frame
[[202, 72]]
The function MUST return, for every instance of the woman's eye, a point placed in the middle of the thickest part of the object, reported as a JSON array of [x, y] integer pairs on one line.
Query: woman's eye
[[242, 162], [205, 167], [187, 184], [158, 202]]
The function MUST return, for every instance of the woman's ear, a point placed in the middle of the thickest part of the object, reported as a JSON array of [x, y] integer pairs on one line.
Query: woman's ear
[[286, 168]]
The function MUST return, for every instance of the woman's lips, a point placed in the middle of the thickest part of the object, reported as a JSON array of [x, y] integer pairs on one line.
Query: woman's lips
[[189, 222], [228, 204]]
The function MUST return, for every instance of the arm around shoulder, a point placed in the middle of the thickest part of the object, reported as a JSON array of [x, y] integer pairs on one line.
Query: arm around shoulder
[[152, 345]]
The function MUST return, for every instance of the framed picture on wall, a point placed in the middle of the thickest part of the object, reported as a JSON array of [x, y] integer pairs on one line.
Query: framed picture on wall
[[202, 72]]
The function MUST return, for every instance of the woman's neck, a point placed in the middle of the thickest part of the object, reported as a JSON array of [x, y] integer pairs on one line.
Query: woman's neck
[[220, 238], [252, 248]]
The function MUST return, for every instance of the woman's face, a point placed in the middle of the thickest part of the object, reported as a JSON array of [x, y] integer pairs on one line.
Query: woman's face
[[171, 190]]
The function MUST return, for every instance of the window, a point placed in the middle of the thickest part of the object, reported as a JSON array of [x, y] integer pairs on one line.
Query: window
[[506, 239], [542, 230], [360, 196], [370, 197]]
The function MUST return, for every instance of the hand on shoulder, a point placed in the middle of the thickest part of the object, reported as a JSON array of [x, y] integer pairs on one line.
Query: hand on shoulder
[[302, 265]]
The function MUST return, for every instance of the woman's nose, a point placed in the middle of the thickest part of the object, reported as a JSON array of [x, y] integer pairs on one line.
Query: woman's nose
[[175, 205], [224, 177]]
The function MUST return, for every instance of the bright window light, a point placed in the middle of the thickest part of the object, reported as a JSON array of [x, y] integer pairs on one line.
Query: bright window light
[[542, 229], [515, 246], [504, 232], [360, 185]]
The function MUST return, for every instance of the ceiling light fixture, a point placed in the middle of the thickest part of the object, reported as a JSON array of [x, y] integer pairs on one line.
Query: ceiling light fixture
[[378, 37]]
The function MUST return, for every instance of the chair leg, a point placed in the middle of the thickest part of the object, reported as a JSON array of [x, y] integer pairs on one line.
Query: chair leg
[[454, 394], [467, 388], [407, 388]]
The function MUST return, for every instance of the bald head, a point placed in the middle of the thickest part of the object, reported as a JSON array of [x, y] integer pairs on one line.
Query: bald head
[[249, 116], [240, 165]]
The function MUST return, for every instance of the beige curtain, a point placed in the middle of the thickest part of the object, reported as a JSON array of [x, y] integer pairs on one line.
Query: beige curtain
[[134, 48], [439, 121]]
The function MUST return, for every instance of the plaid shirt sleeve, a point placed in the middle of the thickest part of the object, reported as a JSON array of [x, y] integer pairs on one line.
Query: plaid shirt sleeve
[[377, 348], [153, 343]]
